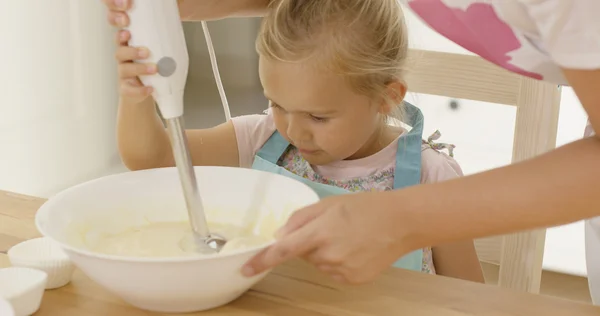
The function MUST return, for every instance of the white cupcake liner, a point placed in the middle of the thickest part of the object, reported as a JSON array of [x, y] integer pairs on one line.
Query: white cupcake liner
[[43, 254], [23, 288], [6, 308]]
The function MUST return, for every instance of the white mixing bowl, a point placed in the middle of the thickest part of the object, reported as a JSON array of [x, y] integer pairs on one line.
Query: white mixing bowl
[[111, 204]]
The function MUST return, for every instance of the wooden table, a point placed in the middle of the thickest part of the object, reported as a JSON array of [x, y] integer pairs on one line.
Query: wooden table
[[297, 289]]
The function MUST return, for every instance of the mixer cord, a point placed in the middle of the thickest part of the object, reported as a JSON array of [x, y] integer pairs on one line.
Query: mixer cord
[[215, 69]]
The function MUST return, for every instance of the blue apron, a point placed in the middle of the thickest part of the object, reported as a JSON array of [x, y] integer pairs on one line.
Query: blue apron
[[407, 171]]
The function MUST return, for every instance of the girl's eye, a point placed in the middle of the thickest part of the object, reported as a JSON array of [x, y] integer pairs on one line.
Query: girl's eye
[[319, 119], [274, 105]]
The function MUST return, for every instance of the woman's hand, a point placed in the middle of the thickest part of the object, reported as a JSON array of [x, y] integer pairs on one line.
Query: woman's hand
[[351, 237]]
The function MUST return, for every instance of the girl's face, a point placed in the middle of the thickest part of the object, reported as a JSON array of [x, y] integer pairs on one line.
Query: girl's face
[[319, 113]]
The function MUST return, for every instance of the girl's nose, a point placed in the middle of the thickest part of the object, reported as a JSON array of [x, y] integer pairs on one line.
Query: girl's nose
[[297, 133]]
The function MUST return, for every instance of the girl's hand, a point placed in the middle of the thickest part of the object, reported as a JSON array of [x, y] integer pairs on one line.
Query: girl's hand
[[131, 88], [351, 237]]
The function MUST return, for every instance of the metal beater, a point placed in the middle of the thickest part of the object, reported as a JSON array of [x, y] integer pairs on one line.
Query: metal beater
[[156, 24]]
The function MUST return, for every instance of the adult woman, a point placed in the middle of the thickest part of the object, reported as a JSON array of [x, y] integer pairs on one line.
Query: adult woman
[[554, 40]]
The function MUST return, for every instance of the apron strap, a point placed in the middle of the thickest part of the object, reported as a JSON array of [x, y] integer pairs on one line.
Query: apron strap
[[408, 172], [408, 155], [274, 148]]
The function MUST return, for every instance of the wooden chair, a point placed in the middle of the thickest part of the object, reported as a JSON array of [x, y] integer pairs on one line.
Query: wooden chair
[[471, 77]]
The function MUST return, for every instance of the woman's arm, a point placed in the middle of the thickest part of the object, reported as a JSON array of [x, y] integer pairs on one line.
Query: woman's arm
[[197, 10], [556, 188], [144, 143], [459, 259]]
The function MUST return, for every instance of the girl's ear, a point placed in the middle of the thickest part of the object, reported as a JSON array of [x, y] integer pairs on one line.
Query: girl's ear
[[394, 95]]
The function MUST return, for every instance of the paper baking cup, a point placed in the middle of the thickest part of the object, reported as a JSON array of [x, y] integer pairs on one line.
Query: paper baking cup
[[43, 254], [23, 288], [6, 308]]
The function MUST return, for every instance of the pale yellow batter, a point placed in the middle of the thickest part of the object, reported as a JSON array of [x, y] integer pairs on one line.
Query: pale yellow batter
[[168, 239]]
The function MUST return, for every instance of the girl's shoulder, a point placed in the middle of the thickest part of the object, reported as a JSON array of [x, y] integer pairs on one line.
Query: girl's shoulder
[[437, 165], [252, 132]]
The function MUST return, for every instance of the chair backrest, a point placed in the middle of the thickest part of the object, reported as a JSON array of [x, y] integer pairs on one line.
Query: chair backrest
[[471, 77]]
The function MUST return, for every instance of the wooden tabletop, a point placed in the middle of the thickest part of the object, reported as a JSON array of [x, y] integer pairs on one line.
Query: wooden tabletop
[[297, 289]]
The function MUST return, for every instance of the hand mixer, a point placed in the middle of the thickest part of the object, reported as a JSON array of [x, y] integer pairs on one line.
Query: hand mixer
[[156, 24]]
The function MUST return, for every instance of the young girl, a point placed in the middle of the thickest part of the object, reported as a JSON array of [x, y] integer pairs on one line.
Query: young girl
[[332, 71]]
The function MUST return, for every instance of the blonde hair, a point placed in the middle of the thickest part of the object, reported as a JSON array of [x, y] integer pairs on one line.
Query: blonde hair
[[365, 41]]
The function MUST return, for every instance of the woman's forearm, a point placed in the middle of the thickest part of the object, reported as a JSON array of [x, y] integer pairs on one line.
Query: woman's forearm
[[197, 10], [250, 8], [556, 188], [142, 140]]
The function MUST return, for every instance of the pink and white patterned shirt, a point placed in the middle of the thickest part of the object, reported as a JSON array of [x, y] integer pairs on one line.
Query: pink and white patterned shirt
[[535, 38]]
